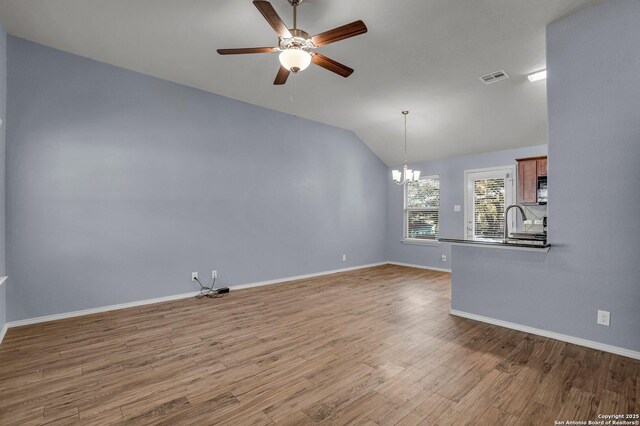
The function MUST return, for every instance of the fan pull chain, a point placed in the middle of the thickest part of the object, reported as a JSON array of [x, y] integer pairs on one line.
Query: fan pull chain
[[295, 87]]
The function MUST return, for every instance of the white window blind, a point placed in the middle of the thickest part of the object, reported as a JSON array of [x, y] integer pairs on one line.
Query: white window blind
[[488, 208], [488, 194], [422, 209]]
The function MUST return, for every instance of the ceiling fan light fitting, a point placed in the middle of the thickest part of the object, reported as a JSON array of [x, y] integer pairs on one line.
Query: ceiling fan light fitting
[[295, 60], [296, 46]]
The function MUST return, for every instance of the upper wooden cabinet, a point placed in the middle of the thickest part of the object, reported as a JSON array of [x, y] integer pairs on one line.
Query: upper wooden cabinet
[[541, 166], [529, 169]]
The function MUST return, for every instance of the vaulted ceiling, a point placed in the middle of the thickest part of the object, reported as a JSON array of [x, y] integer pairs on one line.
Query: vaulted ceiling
[[421, 55]]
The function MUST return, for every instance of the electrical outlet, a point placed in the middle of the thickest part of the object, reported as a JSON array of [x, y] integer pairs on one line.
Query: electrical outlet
[[214, 274], [444, 257], [604, 317], [537, 222], [194, 276], [344, 257], [456, 208]]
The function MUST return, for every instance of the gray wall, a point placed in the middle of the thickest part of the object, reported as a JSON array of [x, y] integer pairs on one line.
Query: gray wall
[[3, 109], [451, 172], [3, 306], [119, 185], [594, 150]]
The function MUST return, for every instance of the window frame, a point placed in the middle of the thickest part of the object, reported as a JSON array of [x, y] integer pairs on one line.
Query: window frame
[[509, 174], [406, 209]]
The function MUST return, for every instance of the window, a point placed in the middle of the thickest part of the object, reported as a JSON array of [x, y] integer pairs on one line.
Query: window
[[488, 193], [421, 209]]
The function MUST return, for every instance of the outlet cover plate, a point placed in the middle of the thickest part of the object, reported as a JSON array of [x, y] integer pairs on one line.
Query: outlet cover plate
[[604, 317]]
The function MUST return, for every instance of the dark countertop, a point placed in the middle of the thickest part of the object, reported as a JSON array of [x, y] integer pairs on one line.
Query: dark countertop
[[497, 244]]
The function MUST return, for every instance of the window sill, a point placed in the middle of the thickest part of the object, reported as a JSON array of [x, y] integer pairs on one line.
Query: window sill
[[418, 242]]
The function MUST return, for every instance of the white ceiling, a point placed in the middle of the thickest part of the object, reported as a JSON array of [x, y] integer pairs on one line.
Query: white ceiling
[[421, 55]]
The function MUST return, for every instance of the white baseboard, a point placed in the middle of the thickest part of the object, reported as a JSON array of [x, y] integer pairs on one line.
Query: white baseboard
[[544, 333], [303, 277], [91, 311], [410, 265], [565, 338], [3, 332], [101, 309]]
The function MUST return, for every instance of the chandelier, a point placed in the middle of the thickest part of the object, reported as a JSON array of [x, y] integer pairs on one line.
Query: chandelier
[[406, 175]]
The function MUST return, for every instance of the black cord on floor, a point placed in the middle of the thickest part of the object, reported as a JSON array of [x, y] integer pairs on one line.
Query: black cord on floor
[[210, 292]]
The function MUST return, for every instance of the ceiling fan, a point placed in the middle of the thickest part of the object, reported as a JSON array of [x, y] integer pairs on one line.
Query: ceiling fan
[[296, 46]]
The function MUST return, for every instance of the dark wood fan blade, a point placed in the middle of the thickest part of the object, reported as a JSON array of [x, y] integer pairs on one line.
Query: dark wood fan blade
[[281, 77], [346, 31], [331, 65], [272, 18], [242, 51]]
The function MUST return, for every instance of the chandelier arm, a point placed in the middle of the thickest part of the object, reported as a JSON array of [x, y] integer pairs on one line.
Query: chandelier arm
[[403, 172]]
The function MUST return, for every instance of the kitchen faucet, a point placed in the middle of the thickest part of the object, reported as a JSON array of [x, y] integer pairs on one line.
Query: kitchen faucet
[[506, 221]]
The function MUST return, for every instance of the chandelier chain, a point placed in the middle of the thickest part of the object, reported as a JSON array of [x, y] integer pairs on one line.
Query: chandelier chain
[[405, 135]]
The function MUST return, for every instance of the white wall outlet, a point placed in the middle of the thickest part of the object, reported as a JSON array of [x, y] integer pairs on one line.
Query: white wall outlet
[[444, 257], [604, 317], [344, 257], [456, 208], [537, 222], [214, 274], [194, 276]]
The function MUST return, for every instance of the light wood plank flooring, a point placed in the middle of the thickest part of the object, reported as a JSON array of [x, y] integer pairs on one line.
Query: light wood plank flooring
[[372, 347]]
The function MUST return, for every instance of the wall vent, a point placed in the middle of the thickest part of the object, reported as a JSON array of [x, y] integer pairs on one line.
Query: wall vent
[[494, 77]]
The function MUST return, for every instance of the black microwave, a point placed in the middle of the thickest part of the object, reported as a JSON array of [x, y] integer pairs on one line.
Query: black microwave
[[541, 190]]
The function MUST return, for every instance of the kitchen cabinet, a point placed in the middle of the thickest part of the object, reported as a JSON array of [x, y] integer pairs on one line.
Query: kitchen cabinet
[[541, 166], [529, 169]]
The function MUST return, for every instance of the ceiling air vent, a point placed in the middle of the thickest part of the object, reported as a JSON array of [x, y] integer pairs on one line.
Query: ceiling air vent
[[494, 76]]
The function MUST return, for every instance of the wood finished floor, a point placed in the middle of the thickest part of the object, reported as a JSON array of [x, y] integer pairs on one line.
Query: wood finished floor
[[372, 347]]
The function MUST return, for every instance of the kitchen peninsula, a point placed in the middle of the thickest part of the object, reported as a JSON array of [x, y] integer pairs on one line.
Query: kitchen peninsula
[[499, 244]]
